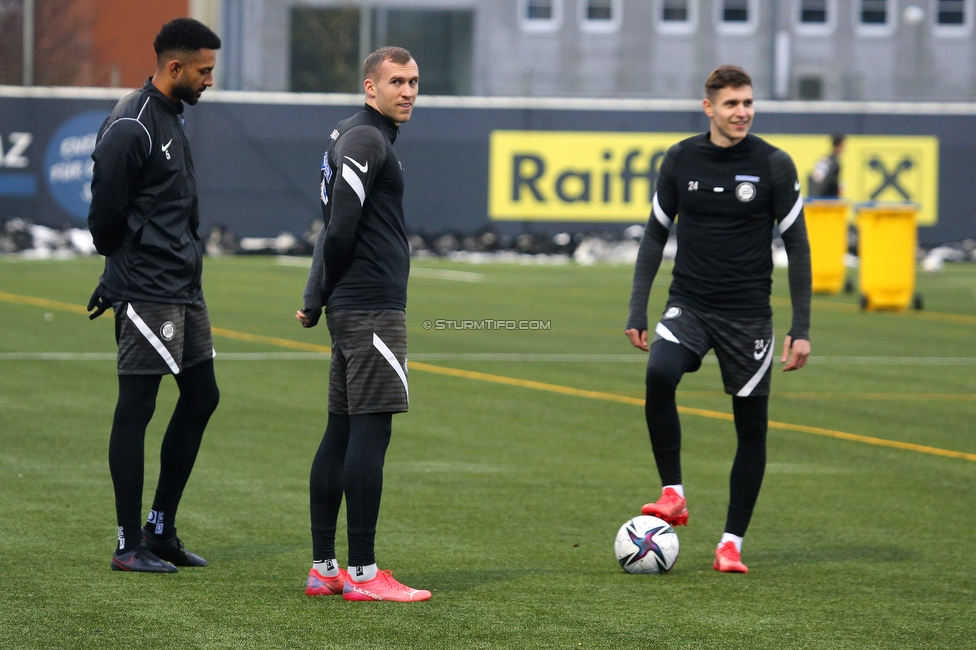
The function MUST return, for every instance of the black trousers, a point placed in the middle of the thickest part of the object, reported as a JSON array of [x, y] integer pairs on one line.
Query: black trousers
[[126, 455], [349, 462], [666, 366]]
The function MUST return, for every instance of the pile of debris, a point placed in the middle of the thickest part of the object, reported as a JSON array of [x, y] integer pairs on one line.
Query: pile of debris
[[933, 260], [31, 241], [489, 246], [485, 246]]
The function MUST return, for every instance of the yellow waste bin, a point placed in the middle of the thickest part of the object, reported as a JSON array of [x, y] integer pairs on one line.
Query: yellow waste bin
[[827, 229], [887, 241]]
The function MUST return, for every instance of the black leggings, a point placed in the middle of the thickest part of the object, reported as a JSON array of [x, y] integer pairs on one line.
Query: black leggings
[[126, 452], [667, 365], [349, 461]]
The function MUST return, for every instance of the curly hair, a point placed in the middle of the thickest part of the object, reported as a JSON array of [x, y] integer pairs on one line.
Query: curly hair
[[184, 36]]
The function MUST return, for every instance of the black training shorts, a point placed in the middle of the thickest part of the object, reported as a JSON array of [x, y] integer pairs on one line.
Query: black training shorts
[[368, 373], [161, 339], [744, 346]]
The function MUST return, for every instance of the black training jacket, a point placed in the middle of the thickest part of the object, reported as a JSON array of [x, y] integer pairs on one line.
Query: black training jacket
[[361, 258], [725, 203], [144, 215]]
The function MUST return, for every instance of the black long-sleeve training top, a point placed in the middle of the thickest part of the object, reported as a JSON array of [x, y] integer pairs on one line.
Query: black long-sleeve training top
[[361, 258], [144, 214], [725, 202]]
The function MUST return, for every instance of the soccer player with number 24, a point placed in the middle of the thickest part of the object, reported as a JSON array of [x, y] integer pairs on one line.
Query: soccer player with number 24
[[724, 191]]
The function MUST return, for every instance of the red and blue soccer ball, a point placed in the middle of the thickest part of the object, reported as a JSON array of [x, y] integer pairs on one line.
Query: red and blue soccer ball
[[646, 545]]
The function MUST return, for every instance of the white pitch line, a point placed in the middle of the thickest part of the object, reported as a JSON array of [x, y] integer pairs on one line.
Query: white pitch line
[[445, 274], [111, 356], [272, 356], [58, 356], [415, 271], [514, 357], [895, 361], [528, 357], [642, 358], [293, 260]]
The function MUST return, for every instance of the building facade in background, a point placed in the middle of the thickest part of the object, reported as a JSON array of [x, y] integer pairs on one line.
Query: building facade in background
[[104, 43], [855, 50]]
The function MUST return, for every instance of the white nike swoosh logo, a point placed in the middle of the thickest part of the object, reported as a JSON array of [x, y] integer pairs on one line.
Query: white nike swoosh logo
[[362, 168], [762, 353], [166, 146]]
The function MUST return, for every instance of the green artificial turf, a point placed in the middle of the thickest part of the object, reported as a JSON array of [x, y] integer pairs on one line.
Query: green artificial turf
[[503, 499]]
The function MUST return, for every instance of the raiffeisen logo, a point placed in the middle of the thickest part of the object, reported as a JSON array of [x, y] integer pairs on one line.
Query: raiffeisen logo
[[593, 176], [582, 176]]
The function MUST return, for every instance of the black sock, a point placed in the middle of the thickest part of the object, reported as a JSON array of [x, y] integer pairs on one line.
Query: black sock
[[325, 486], [198, 400], [362, 482], [130, 538], [133, 411], [751, 421], [667, 363]]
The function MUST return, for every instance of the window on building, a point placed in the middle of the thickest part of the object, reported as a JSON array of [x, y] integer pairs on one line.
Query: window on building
[[328, 46], [539, 10], [601, 16], [874, 12], [951, 12], [599, 10], [441, 39], [325, 50], [813, 11], [676, 16], [675, 10], [735, 11], [810, 88], [540, 15]]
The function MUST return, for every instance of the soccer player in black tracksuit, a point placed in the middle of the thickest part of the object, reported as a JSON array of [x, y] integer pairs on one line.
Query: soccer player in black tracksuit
[[725, 190], [144, 219], [359, 273]]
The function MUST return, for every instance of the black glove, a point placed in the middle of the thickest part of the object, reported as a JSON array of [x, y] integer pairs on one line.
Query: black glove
[[313, 316], [99, 303]]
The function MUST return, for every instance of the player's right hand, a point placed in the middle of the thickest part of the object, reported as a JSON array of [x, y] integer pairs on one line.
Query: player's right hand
[[638, 338], [795, 353], [99, 303], [309, 317]]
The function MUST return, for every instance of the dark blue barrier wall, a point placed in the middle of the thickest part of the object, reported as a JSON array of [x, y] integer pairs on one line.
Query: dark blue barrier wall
[[258, 161]]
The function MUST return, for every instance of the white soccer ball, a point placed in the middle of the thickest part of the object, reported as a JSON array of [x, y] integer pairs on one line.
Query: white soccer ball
[[646, 545]]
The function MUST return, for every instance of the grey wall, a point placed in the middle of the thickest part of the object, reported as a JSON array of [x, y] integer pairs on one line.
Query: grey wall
[[257, 159], [647, 58]]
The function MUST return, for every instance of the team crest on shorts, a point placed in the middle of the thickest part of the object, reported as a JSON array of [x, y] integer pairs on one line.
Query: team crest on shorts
[[672, 312], [167, 330], [745, 192]]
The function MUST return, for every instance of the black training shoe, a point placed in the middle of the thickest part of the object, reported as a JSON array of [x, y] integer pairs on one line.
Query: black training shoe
[[170, 549], [140, 560]]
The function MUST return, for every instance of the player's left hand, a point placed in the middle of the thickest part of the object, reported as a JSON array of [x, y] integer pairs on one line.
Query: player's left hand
[[99, 303], [800, 349]]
